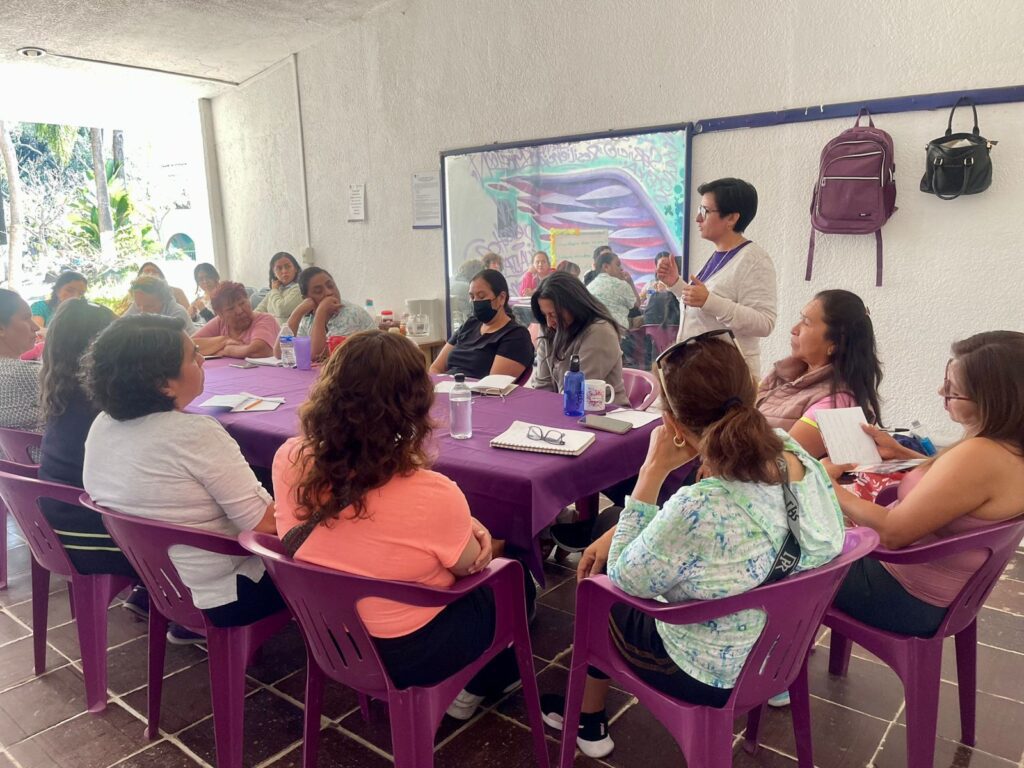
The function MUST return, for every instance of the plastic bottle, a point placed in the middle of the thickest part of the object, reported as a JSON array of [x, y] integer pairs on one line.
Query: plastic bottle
[[287, 342], [574, 389], [917, 430], [460, 403]]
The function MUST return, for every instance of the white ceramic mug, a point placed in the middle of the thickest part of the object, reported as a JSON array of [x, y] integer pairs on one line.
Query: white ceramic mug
[[598, 395]]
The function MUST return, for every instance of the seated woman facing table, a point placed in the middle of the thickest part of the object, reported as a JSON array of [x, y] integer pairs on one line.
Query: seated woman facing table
[[284, 295], [975, 483], [355, 492], [575, 323], [491, 341], [145, 456], [19, 379], [149, 269], [236, 331], [69, 285], [324, 313], [151, 295], [716, 538], [207, 279]]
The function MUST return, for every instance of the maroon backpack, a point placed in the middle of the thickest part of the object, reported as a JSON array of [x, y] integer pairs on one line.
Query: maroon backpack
[[856, 189]]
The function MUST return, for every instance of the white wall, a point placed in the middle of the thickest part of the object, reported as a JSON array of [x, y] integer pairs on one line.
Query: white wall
[[392, 89]]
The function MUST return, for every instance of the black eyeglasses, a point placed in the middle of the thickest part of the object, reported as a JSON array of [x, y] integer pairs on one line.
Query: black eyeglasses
[[703, 211], [946, 387], [552, 436]]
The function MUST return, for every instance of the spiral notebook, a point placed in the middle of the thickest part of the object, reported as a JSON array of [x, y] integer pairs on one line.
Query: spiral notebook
[[514, 439]]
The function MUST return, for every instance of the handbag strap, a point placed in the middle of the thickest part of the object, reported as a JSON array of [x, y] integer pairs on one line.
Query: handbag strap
[[789, 554], [963, 186], [963, 100]]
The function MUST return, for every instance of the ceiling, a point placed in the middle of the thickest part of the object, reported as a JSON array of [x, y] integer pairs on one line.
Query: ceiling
[[228, 40]]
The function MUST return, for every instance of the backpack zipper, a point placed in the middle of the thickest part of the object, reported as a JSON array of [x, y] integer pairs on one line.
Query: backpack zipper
[[881, 151]]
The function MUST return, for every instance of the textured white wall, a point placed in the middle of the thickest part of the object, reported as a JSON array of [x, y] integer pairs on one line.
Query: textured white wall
[[382, 97], [257, 140]]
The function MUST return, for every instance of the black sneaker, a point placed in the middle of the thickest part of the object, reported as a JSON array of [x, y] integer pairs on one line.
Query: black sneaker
[[592, 737], [138, 602], [574, 537]]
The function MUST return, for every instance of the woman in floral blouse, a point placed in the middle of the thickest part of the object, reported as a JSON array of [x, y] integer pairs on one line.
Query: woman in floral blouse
[[717, 538]]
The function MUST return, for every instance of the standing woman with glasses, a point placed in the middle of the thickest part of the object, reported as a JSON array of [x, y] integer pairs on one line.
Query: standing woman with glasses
[[976, 483], [719, 537], [735, 288]]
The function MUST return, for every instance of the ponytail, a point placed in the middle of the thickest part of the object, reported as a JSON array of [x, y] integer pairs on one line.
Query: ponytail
[[709, 390]]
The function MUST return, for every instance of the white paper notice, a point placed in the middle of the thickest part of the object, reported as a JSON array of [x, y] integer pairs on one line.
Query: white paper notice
[[846, 442], [357, 202], [426, 200], [636, 418]]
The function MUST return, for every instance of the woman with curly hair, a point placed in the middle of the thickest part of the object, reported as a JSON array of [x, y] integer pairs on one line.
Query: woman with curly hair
[[145, 456], [355, 492]]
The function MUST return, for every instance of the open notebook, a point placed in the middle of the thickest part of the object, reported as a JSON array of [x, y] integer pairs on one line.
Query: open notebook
[[515, 439]]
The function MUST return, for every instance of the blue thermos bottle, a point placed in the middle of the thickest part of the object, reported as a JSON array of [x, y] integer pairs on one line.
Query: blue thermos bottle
[[574, 389]]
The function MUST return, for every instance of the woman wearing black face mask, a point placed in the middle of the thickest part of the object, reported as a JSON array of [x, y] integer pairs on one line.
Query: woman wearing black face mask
[[491, 341]]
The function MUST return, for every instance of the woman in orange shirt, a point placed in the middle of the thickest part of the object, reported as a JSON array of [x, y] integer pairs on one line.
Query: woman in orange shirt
[[360, 473]]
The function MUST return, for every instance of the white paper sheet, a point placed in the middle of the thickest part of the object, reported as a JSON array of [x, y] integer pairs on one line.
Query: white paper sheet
[[846, 442], [244, 402], [270, 362], [636, 418]]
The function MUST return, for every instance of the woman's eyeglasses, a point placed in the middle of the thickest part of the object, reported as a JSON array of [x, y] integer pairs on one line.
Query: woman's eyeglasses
[[551, 436], [947, 387], [703, 211]]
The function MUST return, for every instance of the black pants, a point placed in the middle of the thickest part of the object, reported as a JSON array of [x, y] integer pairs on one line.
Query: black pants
[[871, 594], [256, 600], [636, 637], [454, 638]]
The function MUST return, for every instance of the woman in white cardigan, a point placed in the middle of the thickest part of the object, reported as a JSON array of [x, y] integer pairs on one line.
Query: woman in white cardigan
[[735, 289]]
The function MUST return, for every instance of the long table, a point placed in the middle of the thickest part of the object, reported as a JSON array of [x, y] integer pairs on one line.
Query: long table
[[514, 493]]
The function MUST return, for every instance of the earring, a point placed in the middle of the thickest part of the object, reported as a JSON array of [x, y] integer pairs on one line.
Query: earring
[[678, 442]]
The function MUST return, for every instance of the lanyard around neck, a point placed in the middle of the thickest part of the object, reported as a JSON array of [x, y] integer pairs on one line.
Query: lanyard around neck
[[718, 261]]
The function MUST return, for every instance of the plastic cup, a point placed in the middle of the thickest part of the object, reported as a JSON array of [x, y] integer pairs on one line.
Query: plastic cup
[[303, 353]]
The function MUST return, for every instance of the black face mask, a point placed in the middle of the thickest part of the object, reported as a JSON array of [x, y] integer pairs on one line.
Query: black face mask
[[483, 311]]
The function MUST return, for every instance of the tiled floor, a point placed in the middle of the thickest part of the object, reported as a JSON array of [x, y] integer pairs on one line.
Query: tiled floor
[[858, 720]]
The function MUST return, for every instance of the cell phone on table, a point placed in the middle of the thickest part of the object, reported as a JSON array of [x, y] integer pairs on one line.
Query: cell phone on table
[[606, 424]]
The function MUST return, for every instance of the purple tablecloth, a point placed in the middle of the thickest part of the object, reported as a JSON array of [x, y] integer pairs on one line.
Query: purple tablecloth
[[514, 493]]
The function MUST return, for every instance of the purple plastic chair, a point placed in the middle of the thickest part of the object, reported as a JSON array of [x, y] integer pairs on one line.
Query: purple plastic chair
[[793, 607], [641, 387], [338, 646], [90, 595], [918, 661], [16, 446], [146, 543]]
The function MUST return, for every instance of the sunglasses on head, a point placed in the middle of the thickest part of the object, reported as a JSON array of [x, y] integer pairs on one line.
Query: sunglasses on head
[[673, 348]]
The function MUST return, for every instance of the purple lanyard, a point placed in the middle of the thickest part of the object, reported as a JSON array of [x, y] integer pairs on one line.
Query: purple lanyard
[[718, 260]]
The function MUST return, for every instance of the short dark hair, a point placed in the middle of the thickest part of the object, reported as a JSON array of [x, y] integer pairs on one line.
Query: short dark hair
[[10, 302], [568, 293], [75, 324], [733, 196], [603, 259], [598, 251], [276, 258], [127, 366], [497, 283], [308, 274], [570, 267], [493, 258], [62, 280], [207, 269]]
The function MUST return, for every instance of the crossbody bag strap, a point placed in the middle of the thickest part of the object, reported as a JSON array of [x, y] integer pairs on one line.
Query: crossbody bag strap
[[298, 534], [789, 553]]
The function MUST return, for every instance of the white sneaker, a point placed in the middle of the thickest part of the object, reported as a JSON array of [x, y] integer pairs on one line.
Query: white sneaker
[[464, 706], [779, 700], [592, 739]]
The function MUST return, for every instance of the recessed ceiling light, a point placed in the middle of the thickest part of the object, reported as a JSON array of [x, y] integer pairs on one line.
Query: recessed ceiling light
[[32, 52]]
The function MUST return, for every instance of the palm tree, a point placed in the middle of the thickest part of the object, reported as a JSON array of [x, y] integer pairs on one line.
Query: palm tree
[[99, 170], [60, 139], [14, 226]]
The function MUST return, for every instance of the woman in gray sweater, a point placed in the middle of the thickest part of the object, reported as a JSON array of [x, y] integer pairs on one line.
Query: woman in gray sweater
[[575, 323]]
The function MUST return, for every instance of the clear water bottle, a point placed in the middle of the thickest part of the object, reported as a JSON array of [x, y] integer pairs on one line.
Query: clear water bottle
[[574, 389], [287, 342], [460, 403]]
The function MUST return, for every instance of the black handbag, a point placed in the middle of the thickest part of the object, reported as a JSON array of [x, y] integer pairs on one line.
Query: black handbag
[[958, 163]]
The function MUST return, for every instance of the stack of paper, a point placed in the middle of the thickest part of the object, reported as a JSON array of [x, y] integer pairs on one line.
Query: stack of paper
[[846, 442], [243, 402]]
